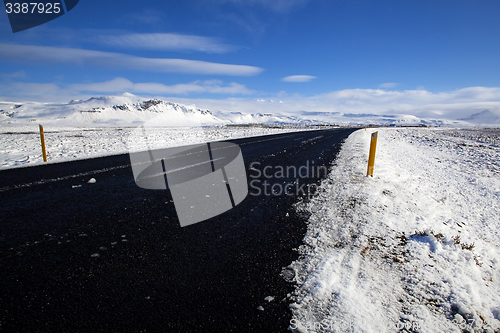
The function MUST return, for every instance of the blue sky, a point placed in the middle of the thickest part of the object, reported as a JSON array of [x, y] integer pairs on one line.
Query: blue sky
[[388, 56]]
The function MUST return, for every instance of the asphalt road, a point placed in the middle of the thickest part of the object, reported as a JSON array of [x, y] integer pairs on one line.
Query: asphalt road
[[112, 257]]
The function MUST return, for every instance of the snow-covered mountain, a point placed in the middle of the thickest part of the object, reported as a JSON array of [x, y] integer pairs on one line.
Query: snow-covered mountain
[[485, 117], [124, 110], [130, 110]]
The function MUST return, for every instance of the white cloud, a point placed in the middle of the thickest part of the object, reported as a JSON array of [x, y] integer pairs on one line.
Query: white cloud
[[298, 78], [169, 42], [453, 104], [388, 85], [56, 55], [448, 105], [119, 85]]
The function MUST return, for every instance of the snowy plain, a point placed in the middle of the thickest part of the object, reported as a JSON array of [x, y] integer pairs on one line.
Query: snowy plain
[[416, 248], [20, 146]]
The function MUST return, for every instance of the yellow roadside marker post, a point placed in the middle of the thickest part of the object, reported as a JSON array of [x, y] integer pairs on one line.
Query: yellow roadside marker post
[[42, 139], [371, 158]]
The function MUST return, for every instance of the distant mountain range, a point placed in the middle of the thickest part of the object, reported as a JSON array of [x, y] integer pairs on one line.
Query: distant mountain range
[[131, 110], [485, 117], [124, 110]]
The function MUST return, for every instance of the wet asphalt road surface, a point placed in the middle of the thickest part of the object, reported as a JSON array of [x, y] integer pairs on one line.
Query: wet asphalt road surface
[[112, 257]]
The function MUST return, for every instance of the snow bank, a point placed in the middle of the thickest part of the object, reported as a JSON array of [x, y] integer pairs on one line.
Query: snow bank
[[415, 248]]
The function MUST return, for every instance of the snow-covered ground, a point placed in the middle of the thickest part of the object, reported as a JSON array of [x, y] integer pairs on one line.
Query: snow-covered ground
[[416, 248], [20, 146]]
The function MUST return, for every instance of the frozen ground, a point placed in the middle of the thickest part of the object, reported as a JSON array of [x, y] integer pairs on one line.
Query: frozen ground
[[20, 146], [416, 248]]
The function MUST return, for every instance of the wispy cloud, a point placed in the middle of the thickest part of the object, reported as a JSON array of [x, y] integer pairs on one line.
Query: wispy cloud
[[249, 21], [388, 85], [15, 75], [248, 14], [298, 78], [56, 55], [119, 85], [30, 90], [169, 42], [279, 6], [147, 16]]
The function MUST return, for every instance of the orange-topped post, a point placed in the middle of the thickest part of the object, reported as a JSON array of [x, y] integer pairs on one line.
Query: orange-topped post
[[371, 158], [42, 139]]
